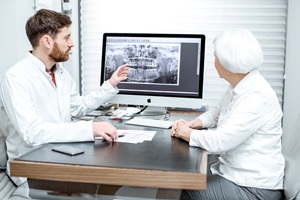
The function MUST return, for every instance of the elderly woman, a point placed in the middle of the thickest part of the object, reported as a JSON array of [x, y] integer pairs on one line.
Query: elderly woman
[[244, 129]]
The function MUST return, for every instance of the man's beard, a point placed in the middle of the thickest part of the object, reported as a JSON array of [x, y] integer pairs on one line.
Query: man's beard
[[57, 55]]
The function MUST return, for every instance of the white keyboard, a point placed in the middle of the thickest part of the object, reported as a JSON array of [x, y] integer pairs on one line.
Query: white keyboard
[[150, 123]]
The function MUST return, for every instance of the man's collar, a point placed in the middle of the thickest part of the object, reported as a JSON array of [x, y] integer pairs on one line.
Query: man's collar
[[53, 68]]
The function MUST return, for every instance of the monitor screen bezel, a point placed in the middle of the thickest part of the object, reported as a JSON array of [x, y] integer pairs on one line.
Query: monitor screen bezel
[[158, 35]]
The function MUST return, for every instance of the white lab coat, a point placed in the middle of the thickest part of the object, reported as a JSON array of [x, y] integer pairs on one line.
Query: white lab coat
[[39, 112]]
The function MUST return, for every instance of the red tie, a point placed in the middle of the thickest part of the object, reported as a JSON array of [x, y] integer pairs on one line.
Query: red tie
[[51, 73]]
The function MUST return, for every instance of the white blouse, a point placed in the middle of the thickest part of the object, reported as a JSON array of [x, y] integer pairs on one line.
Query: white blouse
[[247, 134]]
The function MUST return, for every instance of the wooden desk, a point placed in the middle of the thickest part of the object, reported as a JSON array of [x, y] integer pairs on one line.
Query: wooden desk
[[164, 162]]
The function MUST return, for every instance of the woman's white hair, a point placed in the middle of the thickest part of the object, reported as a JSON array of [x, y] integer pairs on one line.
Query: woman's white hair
[[238, 51]]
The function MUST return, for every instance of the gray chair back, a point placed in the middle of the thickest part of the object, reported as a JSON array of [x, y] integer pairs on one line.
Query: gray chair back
[[3, 136], [291, 152], [3, 155]]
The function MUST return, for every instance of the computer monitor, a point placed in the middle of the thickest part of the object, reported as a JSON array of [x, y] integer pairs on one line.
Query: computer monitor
[[166, 70]]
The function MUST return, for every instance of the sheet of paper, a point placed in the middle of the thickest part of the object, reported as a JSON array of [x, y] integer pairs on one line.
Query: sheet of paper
[[96, 113], [133, 136], [91, 116]]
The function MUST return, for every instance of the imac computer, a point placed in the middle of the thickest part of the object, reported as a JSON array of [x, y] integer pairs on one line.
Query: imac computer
[[166, 70]]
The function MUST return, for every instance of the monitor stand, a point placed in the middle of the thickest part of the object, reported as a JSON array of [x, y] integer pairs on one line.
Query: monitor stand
[[153, 111]]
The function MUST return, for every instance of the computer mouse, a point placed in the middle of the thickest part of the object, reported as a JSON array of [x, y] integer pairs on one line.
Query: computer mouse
[[132, 110]]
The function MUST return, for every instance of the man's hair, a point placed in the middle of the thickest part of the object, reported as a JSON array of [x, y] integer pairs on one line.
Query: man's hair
[[238, 51], [45, 22]]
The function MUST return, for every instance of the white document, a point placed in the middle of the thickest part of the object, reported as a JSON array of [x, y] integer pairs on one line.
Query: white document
[[135, 136]]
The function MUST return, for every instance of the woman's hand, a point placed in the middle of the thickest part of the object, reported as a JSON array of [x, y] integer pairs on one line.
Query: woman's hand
[[175, 127], [196, 124], [181, 130]]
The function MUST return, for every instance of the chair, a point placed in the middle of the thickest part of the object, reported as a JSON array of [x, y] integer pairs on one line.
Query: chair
[[8, 191], [291, 152]]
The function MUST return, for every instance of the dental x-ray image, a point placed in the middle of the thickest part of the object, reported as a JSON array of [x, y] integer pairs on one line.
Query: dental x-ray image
[[148, 63]]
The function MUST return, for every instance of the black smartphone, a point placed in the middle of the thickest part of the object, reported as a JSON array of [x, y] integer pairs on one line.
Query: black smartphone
[[72, 151]]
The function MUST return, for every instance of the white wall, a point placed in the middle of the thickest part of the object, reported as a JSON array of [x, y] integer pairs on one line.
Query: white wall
[[13, 41]]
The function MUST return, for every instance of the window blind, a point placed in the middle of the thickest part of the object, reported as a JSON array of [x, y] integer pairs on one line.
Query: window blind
[[265, 18]]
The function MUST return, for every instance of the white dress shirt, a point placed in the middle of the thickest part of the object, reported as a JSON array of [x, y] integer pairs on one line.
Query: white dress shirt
[[40, 112], [247, 134]]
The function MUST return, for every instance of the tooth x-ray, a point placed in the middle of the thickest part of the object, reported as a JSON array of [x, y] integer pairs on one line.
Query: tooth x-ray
[[148, 63]]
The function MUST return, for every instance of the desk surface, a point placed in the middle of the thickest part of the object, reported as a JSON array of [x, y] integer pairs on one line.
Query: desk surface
[[164, 162]]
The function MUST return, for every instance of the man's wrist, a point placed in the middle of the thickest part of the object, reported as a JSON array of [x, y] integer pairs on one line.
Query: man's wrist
[[111, 82]]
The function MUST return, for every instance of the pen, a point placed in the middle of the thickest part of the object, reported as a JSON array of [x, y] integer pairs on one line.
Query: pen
[[113, 118], [101, 138], [118, 118]]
